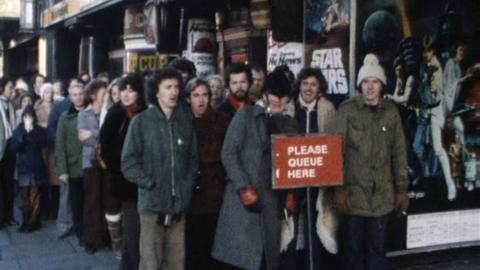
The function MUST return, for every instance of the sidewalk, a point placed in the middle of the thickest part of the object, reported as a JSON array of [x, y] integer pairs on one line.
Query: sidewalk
[[42, 250]]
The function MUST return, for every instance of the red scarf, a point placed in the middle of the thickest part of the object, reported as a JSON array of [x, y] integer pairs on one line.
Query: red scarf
[[236, 104], [133, 110]]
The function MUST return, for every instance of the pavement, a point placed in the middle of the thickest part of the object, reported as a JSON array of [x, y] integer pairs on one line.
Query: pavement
[[42, 250]]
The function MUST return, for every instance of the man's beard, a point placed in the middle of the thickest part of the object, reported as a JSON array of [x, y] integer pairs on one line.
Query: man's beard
[[240, 95]]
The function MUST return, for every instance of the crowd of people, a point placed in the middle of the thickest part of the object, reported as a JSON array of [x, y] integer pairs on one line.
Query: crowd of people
[[172, 171]]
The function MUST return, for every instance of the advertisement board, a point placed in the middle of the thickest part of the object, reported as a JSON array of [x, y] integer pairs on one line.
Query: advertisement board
[[429, 51]]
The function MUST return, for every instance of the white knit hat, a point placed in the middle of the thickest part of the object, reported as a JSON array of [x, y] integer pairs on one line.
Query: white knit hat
[[21, 85], [371, 68]]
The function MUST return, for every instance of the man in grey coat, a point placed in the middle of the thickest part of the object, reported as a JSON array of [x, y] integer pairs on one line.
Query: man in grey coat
[[248, 230]]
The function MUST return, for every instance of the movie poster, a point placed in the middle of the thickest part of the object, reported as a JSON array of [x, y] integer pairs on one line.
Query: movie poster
[[328, 38], [429, 50]]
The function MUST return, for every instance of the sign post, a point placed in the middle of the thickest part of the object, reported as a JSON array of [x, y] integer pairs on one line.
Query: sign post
[[306, 162]]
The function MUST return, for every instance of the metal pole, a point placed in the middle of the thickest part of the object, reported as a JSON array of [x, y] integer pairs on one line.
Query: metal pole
[[309, 230]]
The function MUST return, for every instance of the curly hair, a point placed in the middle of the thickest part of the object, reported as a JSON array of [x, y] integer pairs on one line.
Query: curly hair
[[308, 72], [156, 78]]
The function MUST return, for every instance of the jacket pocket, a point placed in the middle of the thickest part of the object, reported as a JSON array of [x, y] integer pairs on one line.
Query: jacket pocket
[[355, 134]]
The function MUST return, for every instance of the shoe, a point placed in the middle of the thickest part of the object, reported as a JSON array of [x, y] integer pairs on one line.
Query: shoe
[[22, 228], [89, 249], [452, 193], [65, 234], [34, 227], [12, 222]]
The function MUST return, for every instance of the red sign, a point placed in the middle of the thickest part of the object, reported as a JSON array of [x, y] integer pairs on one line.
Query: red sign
[[307, 161]]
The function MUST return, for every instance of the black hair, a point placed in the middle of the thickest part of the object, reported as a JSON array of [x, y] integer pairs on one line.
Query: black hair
[[236, 68], [3, 83], [135, 81], [156, 78], [35, 76], [184, 65], [92, 89], [308, 72]]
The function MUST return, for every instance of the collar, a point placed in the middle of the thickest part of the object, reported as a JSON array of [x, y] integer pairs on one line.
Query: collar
[[236, 104], [310, 107], [160, 114], [360, 101]]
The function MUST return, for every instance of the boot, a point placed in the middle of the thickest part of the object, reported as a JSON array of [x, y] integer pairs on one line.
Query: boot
[[115, 231], [23, 227]]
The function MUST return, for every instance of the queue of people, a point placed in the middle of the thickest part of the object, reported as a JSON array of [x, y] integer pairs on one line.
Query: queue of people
[[172, 171]]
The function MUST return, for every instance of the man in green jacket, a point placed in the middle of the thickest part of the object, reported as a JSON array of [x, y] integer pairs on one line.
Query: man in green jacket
[[375, 166], [68, 161], [160, 156]]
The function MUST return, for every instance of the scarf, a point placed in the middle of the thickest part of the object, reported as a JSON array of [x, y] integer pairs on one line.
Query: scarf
[[133, 110], [236, 104]]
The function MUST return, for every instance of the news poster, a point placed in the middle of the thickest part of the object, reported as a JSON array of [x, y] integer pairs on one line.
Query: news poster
[[284, 53], [202, 46], [429, 51]]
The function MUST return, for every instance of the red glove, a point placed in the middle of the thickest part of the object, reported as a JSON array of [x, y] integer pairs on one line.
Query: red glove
[[291, 202], [249, 197]]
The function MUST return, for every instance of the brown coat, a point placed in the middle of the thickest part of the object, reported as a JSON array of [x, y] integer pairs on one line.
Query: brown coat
[[42, 109], [210, 131]]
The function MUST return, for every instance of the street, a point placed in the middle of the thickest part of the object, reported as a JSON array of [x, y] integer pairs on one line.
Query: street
[[42, 250]]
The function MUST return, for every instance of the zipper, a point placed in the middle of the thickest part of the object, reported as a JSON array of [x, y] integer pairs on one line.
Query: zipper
[[172, 155], [307, 128]]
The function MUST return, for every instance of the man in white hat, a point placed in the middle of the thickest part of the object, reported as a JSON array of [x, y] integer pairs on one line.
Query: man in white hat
[[375, 175]]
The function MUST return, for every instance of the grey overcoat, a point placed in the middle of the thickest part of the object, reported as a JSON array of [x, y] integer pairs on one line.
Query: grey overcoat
[[242, 236]]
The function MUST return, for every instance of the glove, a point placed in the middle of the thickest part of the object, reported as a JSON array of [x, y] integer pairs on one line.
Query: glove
[[409, 53], [340, 199], [249, 198], [291, 203], [401, 201]]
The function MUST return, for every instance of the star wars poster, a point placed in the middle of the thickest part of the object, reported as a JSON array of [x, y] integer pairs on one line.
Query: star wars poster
[[327, 28], [429, 50]]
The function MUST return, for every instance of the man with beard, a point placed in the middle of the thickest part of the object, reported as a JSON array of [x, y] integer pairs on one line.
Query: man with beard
[[238, 78]]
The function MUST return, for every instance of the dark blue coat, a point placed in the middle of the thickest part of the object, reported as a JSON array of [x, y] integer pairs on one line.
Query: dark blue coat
[[55, 114], [31, 168]]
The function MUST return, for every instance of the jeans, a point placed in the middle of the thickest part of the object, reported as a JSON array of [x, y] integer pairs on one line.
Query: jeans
[[364, 243], [64, 218]]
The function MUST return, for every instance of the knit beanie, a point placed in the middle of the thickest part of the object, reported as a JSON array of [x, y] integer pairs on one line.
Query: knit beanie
[[277, 84], [371, 68]]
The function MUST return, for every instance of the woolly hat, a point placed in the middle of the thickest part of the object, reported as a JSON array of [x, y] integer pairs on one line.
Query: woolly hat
[[277, 84], [371, 68], [21, 85]]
